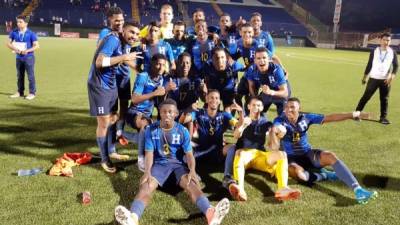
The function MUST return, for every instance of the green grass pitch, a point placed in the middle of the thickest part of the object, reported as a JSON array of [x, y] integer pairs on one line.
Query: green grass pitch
[[34, 133]]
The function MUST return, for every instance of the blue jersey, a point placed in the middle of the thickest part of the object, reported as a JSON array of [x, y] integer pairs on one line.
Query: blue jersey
[[265, 40], [295, 142], [167, 145], [201, 53], [248, 54], [106, 77], [230, 40], [254, 136], [187, 91], [274, 77], [23, 39], [222, 80], [161, 47], [103, 32], [145, 85], [178, 47], [211, 130]]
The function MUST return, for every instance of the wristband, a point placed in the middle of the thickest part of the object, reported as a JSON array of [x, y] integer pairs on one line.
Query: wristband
[[106, 62], [356, 114]]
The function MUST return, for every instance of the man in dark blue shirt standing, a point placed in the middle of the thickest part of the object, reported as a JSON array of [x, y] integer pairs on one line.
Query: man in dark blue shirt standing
[[24, 42]]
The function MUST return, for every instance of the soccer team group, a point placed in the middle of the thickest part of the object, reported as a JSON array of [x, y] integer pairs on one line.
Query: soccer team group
[[176, 67]]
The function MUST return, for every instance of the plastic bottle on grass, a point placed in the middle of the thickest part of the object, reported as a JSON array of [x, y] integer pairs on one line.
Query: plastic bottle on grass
[[30, 172]]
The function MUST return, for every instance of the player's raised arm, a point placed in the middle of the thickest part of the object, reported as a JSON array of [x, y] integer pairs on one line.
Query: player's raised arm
[[336, 117]]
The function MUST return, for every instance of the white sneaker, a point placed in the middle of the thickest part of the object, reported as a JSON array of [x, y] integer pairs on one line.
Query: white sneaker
[[216, 215], [30, 97], [124, 216], [140, 163], [16, 95]]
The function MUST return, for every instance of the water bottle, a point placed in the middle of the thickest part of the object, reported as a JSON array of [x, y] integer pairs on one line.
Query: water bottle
[[30, 172]]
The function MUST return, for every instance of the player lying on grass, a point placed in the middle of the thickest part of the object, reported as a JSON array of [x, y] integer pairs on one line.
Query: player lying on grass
[[251, 133], [292, 127], [166, 143]]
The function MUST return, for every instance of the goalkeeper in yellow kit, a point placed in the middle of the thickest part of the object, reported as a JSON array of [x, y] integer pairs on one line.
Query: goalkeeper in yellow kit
[[251, 135]]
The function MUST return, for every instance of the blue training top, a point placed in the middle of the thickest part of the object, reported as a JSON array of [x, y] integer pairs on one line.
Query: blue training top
[[23, 38]]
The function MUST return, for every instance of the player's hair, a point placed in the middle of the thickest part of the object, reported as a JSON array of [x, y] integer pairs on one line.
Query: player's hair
[[156, 57], [154, 24], [114, 11], [258, 98], [166, 6], [246, 25], [180, 23], [210, 91], [168, 101], [256, 14], [218, 49], [225, 14], [183, 54], [24, 18], [198, 10], [262, 49], [293, 99], [132, 23], [385, 34]]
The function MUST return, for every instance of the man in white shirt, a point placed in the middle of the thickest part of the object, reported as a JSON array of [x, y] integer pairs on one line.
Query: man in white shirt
[[381, 70]]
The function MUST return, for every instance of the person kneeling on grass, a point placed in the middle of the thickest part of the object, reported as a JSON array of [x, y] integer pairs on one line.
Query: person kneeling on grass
[[165, 144], [292, 127], [251, 134]]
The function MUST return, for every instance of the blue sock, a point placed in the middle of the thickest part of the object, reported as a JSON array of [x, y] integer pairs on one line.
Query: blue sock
[[120, 124], [345, 175], [203, 204], [103, 146], [137, 207], [111, 136], [230, 156], [141, 143]]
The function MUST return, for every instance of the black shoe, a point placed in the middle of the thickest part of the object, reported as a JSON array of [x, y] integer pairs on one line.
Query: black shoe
[[385, 121]]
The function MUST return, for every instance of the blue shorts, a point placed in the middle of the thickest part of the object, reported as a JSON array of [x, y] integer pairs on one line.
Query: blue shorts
[[161, 172], [309, 160], [124, 87], [102, 101], [212, 154]]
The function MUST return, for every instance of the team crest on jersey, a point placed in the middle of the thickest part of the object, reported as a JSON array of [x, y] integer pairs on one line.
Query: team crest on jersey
[[176, 139], [302, 125]]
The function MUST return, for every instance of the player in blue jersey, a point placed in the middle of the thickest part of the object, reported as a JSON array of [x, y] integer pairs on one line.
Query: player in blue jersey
[[179, 43], [189, 87], [263, 37], [222, 76], [154, 45], [270, 78], [211, 125], [197, 16], [115, 17], [147, 90], [292, 127], [102, 88], [251, 133], [228, 33], [201, 48], [166, 143], [23, 42]]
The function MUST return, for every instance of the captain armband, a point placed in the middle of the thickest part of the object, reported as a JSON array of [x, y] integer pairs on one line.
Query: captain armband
[[106, 62]]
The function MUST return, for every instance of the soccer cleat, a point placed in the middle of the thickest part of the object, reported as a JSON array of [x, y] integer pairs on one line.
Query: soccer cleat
[[227, 181], [237, 193], [329, 175], [122, 140], [117, 156], [216, 214], [109, 168], [363, 195], [16, 95], [287, 193], [30, 97], [384, 121], [124, 216]]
